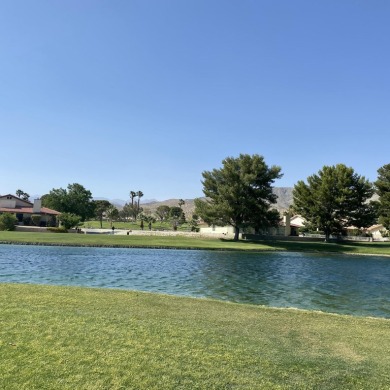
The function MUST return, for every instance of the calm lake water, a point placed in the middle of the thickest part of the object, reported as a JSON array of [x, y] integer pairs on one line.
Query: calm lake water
[[354, 285]]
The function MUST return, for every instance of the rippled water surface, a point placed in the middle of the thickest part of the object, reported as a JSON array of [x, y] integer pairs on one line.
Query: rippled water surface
[[355, 285]]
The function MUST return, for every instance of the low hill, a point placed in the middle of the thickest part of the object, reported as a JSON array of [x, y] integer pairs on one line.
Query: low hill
[[284, 195]]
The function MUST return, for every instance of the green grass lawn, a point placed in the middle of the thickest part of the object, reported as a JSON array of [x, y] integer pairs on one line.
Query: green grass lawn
[[80, 338], [377, 248], [158, 225]]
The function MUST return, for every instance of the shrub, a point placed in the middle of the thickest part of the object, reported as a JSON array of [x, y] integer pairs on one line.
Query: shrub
[[36, 219], [69, 220], [385, 233], [7, 221], [57, 229]]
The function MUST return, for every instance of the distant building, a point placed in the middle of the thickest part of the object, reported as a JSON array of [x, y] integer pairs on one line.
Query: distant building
[[28, 213], [376, 231], [290, 226], [213, 229]]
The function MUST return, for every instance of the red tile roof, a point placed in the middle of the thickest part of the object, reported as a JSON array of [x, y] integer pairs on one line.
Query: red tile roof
[[28, 210]]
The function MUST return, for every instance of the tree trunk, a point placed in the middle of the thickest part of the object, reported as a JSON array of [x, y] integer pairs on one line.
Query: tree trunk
[[236, 233]]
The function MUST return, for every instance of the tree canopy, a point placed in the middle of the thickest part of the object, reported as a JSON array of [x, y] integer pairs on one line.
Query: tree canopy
[[382, 186], [69, 220], [22, 195], [112, 213], [334, 199], [162, 212], [75, 200], [133, 209], [100, 207], [239, 194]]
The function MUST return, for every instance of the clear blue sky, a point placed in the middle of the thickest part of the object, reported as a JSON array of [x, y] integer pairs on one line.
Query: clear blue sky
[[121, 95]]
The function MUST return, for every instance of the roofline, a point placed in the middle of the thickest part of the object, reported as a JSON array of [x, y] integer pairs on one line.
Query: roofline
[[16, 197]]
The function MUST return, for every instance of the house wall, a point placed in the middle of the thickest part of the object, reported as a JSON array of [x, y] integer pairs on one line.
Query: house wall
[[8, 203], [217, 230], [11, 202], [376, 232], [297, 220]]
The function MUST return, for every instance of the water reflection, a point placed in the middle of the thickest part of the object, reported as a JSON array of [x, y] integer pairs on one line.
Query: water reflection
[[342, 284]]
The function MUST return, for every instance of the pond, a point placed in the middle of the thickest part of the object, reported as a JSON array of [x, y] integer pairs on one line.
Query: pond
[[356, 285]]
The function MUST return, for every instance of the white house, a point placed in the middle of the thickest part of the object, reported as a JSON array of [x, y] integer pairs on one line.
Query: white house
[[376, 231]]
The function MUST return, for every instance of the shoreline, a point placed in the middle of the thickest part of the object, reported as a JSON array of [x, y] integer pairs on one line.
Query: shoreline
[[122, 246], [195, 298]]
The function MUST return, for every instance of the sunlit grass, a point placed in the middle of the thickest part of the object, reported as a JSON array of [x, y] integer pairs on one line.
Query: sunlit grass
[[80, 338], [129, 225]]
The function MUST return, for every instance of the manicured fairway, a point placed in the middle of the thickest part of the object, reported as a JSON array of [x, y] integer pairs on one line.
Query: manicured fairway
[[183, 242], [79, 338]]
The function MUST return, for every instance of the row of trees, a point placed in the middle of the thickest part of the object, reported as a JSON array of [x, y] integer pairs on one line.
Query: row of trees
[[240, 194], [133, 209], [76, 204]]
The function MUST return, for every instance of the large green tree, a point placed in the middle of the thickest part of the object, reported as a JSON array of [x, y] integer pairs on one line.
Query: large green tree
[[382, 186], [112, 214], [239, 194], [334, 199], [175, 212], [75, 199], [162, 212], [101, 206]]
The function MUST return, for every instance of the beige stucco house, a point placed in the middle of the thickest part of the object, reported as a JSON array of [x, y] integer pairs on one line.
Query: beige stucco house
[[28, 213], [376, 231], [288, 226]]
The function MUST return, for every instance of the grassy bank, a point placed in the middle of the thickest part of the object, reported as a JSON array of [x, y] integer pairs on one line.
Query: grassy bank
[[182, 242], [75, 338]]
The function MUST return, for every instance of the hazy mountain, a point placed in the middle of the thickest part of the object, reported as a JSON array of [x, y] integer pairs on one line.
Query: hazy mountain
[[119, 203], [285, 198], [188, 207], [284, 194]]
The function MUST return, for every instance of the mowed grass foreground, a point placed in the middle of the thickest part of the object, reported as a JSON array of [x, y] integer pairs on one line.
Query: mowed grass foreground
[[80, 338], [185, 242]]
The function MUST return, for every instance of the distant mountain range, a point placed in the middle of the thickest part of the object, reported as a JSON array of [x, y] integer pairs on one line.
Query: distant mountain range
[[284, 195]]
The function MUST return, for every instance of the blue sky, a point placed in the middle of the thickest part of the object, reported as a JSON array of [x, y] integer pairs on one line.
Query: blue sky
[[123, 95]]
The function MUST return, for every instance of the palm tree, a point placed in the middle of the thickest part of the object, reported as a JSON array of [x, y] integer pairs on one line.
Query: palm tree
[[133, 212], [140, 194], [132, 196]]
